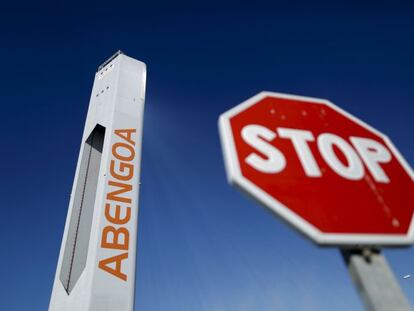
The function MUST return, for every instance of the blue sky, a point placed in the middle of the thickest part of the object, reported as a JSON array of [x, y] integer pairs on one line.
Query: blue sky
[[202, 245]]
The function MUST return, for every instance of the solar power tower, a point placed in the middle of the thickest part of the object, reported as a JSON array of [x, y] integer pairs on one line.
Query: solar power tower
[[96, 267]]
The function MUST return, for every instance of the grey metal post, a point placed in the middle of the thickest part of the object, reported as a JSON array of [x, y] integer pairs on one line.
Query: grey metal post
[[374, 280]]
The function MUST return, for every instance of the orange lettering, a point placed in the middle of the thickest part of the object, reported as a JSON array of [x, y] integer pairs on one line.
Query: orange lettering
[[122, 167], [114, 194], [115, 241], [117, 219], [127, 137], [120, 156], [118, 214], [104, 265]]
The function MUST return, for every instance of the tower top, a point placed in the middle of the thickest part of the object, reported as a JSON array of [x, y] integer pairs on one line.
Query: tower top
[[119, 52]]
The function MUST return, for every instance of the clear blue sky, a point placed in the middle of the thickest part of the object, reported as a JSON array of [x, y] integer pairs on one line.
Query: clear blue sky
[[202, 245]]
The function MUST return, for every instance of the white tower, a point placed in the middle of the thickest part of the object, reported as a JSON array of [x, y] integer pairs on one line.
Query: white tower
[[96, 267]]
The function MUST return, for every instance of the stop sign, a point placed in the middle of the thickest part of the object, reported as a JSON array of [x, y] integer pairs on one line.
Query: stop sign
[[327, 173]]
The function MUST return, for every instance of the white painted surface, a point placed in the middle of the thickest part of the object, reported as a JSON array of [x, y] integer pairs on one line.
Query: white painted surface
[[117, 102]]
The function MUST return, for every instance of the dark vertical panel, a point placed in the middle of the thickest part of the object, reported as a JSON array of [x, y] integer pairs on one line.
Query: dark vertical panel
[[77, 242]]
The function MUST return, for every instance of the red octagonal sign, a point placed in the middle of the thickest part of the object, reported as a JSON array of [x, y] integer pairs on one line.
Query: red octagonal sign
[[327, 173]]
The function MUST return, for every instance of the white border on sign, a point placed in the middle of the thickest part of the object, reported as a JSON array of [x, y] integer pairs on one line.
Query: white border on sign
[[235, 177]]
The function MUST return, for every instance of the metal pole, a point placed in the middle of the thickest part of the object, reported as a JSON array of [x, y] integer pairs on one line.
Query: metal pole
[[374, 280]]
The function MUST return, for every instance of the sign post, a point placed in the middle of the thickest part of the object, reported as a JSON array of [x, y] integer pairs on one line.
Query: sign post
[[374, 280], [328, 174]]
